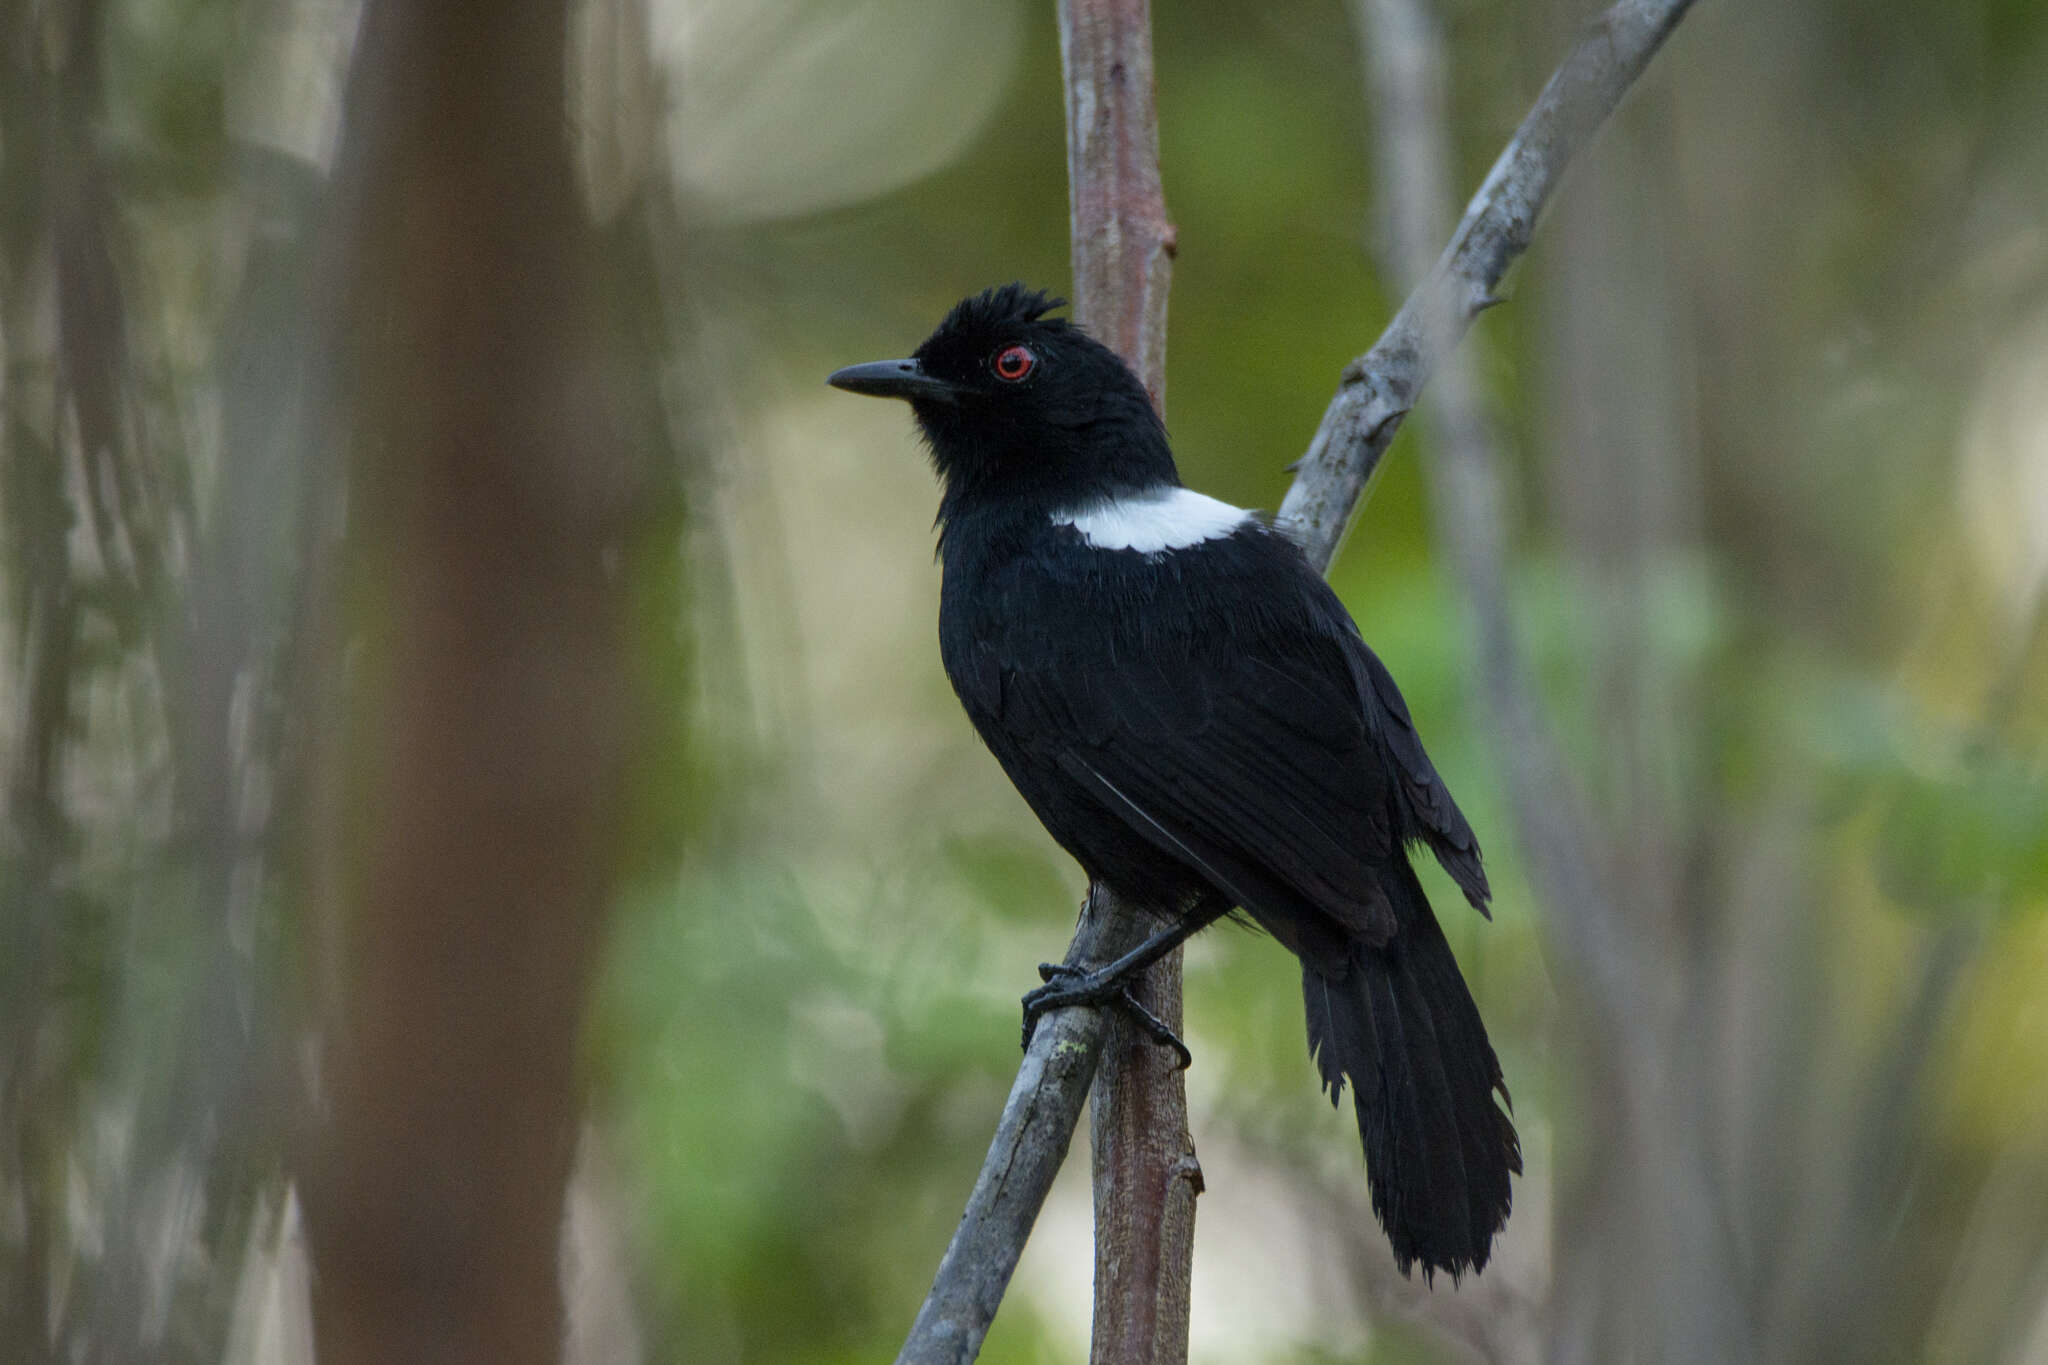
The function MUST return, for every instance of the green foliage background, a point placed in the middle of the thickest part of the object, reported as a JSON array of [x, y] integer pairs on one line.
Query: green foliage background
[[1805, 691]]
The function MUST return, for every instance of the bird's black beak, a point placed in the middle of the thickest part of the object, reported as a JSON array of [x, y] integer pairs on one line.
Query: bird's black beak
[[894, 379]]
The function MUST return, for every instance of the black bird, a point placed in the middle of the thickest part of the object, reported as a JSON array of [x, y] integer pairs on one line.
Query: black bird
[[1191, 712]]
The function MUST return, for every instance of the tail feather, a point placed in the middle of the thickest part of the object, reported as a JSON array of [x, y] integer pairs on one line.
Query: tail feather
[[1398, 1022]]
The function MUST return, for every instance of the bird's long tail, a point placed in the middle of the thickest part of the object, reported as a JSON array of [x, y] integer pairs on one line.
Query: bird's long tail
[[1398, 1022]]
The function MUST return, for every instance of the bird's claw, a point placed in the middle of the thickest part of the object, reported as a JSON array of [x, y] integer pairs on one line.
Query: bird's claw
[[1156, 1028], [1067, 985]]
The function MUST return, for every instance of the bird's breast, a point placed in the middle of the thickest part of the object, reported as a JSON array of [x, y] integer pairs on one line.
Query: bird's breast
[[1051, 601]]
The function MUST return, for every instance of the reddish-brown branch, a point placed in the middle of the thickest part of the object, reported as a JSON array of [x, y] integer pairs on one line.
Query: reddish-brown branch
[[1146, 1176], [1029, 1146], [1122, 242]]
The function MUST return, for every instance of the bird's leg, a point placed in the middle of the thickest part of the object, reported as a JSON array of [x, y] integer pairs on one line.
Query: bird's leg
[[1111, 985]]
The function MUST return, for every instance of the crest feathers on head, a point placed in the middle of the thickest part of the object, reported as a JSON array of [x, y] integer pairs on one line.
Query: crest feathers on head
[[1007, 304]]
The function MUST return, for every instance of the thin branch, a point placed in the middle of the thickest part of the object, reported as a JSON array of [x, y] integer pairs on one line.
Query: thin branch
[[1029, 1145], [1377, 392], [1145, 1184], [1146, 1174], [1380, 387], [1586, 917], [1402, 50], [1122, 243], [1405, 76]]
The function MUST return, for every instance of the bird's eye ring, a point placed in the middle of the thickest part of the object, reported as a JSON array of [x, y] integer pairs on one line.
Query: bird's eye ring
[[1012, 363]]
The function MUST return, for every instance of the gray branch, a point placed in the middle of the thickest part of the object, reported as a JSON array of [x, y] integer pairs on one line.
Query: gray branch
[[1568, 856], [1380, 387], [1377, 392], [1404, 67], [1029, 1145]]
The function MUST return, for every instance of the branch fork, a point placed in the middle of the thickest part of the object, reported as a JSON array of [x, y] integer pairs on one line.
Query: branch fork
[[1123, 250]]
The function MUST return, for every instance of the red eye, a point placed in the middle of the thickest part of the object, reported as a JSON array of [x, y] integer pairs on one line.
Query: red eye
[[1014, 362]]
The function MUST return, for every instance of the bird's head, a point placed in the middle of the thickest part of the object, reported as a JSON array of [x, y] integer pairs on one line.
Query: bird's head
[[1020, 406]]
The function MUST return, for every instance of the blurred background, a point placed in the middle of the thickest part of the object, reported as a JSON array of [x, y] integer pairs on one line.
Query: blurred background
[[1771, 394]]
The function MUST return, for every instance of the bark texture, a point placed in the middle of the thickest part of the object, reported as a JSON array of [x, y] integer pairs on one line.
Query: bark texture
[[1146, 1174], [1030, 1143]]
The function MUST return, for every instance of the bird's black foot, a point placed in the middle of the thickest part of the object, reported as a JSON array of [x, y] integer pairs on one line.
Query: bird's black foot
[[1066, 985]]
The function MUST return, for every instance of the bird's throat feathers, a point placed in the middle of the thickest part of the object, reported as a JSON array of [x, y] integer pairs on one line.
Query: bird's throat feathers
[[988, 464]]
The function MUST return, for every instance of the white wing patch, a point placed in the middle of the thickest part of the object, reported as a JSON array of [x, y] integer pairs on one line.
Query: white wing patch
[[1149, 522]]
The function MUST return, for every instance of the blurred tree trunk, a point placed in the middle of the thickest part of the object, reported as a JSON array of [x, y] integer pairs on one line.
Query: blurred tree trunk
[[1623, 483], [472, 772]]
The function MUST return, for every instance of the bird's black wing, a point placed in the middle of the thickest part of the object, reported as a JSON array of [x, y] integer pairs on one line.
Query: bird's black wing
[[1435, 817], [1281, 764]]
